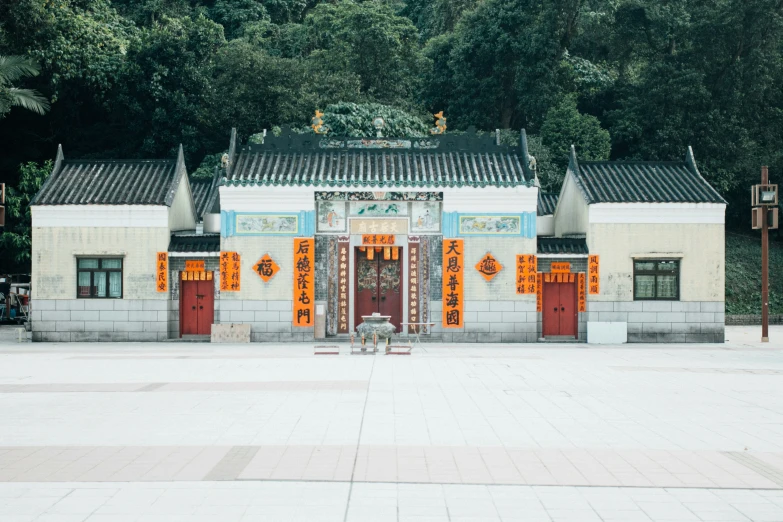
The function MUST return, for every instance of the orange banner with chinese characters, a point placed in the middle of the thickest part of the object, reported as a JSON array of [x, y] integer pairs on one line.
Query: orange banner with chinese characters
[[194, 266], [539, 292], [560, 268], [378, 239], [304, 281], [582, 293], [593, 275], [342, 287], [453, 293], [230, 263], [162, 272], [527, 266]]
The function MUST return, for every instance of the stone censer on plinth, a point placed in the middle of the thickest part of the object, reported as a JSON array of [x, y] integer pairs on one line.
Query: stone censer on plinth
[[375, 327]]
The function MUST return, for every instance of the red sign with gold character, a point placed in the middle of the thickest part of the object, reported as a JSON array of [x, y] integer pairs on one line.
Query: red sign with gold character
[[582, 293], [593, 275], [162, 272], [342, 287], [304, 281], [378, 239], [230, 263], [527, 266], [413, 285], [266, 268], [453, 290], [488, 267]]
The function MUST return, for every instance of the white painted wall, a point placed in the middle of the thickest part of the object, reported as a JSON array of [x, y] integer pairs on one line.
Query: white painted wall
[[459, 199], [674, 213], [55, 249], [702, 247], [545, 225], [253, 248], [571, 214], [182, 212], [100, 216]]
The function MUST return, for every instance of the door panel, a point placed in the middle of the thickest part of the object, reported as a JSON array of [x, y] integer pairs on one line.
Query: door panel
[[568, 311], [366, 286], [389, 293], [206, 306], [188, 310], [551, 309]]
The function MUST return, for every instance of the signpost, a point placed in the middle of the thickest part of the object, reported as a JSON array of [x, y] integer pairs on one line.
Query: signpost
[[764, 199]]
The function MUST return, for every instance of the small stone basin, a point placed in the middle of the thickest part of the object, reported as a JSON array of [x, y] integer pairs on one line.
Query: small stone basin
[[376, 324]]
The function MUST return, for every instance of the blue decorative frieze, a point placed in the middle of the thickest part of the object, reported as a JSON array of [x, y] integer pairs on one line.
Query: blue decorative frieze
[[267, 223], [456, 224]]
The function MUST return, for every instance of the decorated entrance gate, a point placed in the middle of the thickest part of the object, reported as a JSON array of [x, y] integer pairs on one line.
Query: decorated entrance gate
[[378, 287]]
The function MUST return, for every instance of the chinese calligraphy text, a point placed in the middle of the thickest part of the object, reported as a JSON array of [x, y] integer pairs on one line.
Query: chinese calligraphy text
[[582, 293], [562, 268], [539, 292], [527, 266], [593, 275], [342, 287], [194, 266], [413, 285], [266, 268], [378, 239], [230, 263], [162, 272], [453, 290], [488, 267], [304, 281]]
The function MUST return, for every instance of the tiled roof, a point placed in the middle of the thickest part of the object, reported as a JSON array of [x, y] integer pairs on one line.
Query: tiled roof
[[562, 245], [546, 203], [116, 182], [310, 160], [195, 243], [202, 192], [643, 182]]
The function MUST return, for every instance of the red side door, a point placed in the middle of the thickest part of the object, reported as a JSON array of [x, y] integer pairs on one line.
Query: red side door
[[366, 286], [568, 309], [188, 307], [206, 306], [550, 310], [389, 294]]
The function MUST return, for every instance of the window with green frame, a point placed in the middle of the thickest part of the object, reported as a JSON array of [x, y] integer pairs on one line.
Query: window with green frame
[[656, 279], [99, 278]]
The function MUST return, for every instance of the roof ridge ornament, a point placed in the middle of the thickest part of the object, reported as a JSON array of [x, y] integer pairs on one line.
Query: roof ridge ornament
[[317, 123], [440, 123]]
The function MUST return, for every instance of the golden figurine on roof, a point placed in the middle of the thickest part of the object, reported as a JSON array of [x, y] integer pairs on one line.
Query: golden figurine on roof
[[440, 123], [317, 123]]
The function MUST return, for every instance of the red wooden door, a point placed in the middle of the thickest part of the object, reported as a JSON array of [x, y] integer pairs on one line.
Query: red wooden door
[[188, 307], [550, 308], [206, 306], [568, 310], [389, 293], [366, 287], [559, 309]]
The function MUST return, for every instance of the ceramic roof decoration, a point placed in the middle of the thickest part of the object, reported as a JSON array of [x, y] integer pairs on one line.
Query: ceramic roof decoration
[[642, 181], [446, 161]]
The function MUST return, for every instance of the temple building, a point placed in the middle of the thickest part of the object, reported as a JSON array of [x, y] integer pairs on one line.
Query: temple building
[[303, 235]]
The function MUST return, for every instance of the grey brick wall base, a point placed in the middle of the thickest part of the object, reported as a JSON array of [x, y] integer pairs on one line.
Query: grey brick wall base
[[99, 320]]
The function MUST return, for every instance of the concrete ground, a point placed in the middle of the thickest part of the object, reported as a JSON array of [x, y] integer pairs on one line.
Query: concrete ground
[[198, 432]]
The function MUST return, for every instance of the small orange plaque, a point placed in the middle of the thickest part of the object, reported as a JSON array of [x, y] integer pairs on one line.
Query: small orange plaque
[[560, 268], [266, 268], [194, 266], [378, 239], [488, 267]]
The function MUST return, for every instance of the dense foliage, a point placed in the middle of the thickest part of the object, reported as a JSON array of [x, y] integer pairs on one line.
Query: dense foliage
[[626, 79], [743, 275]]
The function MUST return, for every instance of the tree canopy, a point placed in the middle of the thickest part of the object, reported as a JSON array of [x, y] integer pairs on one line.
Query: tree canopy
[[624, 79]]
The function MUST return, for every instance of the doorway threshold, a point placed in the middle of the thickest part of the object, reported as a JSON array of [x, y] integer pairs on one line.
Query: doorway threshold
[[191, 339], [560, 339]]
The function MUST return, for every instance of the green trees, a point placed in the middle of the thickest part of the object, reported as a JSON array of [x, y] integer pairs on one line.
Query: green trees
[[564, 126], [13, 68], [16, 239]]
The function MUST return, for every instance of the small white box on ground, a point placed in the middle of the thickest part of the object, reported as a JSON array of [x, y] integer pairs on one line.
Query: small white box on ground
[[230, 333], [607, 332]]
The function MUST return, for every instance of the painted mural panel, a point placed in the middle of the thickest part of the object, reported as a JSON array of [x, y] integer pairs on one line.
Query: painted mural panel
[[481, 225], [266, 224], [379, 208], [425, 216], [330, 216]]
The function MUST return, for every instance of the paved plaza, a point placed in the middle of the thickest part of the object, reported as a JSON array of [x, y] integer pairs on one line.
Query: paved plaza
[[168, 432]]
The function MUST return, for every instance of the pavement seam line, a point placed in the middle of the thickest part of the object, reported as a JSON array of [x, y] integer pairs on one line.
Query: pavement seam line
[[767, 471], [358, 442]]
